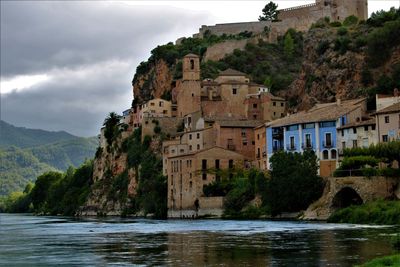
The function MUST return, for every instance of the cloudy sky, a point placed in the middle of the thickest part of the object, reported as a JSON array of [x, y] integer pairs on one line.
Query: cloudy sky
[[65, 65]]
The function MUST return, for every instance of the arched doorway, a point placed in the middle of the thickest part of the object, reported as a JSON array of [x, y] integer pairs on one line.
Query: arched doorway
[[347, 196]]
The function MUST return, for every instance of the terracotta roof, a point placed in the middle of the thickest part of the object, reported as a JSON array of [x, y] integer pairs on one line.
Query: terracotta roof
[[203, 150], [231, 72], [358, 124], [320, 112], [390, 109], [191, 55], [239, 123]]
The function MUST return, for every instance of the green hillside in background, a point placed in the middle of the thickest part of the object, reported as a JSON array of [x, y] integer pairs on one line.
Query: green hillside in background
[[28, 153], [23, 137]]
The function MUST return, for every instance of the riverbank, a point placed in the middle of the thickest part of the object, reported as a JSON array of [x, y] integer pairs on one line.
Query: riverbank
[[377, 212], [388, 261]]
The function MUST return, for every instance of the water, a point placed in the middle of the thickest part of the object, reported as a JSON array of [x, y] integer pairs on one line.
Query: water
[[27, 240]]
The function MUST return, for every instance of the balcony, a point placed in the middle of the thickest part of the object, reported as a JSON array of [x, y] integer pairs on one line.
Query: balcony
[[307, 146], [291, 147], [327, 144]]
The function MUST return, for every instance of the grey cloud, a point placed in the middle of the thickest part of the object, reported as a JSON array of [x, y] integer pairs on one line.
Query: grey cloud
[[77, 106], [91, 50], [37, 36]]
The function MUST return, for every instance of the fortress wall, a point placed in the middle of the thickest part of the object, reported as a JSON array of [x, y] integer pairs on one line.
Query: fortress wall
[[219, 50], [234, 28]]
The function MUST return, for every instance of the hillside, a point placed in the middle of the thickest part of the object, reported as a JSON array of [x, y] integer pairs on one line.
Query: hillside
[[332, 59], [23, 137], [27, 153]]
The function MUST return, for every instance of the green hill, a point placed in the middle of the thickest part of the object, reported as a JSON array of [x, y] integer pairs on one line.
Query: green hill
[[27, 153], [23, 137]]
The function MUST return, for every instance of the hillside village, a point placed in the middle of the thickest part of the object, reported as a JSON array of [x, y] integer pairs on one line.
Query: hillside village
[[231, 122]]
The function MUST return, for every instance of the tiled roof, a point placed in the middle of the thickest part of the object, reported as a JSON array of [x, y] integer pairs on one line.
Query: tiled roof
[[321, 112], [231, 72], [358, 124], [239, 123], [390, 109]]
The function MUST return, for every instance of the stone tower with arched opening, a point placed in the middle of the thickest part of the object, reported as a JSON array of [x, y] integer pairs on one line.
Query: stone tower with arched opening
[[191, 67]]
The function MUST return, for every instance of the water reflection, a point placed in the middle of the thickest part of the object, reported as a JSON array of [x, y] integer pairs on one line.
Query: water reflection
[[47, 241]]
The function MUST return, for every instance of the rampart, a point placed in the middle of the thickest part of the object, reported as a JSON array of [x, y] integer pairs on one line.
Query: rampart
[[299, 18]]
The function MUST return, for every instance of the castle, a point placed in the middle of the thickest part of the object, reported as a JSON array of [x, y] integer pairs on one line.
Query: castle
[[300, 18]]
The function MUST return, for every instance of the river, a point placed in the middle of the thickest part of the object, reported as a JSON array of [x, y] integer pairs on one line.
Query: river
[[27, 240]]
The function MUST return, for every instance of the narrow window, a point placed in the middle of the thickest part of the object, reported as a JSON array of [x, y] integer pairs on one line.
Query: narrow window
[[355, 144], [354, 130], [292, 145], [274, 104], [333, 154], [234, 91], [254, 105], [217, 176], [204, 169], [198, 147], [384, 138], [192, 64], [328, 140], [386, 119], [325, 154], [198, 135]]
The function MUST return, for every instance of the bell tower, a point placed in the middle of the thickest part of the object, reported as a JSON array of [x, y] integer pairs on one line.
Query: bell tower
[[191, 67]]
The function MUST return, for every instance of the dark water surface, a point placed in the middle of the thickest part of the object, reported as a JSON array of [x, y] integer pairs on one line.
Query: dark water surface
[[27, 240]]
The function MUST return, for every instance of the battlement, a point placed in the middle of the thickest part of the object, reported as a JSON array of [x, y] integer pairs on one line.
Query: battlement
[[298, 7]]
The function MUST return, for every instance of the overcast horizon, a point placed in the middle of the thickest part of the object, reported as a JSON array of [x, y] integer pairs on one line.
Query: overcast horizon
[[66, 65]]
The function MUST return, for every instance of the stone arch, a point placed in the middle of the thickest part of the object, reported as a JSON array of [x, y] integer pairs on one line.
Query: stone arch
[[345, 197]]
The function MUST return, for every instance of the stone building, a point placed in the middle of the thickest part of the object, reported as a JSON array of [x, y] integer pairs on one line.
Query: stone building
[[188, 173], [260, 151], [358, 134], [388, 123]]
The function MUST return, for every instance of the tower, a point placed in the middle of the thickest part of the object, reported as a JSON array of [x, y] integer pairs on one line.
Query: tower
[[191, 67]]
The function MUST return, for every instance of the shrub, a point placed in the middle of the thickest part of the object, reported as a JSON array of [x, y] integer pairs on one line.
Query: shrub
[[342, 31], [350, 21], [342, 44], [322, 47], [157, 129], [357, 162], [361, 41], [335, 24]]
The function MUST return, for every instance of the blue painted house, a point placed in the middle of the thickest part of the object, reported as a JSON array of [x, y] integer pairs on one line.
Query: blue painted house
[[314, 129]]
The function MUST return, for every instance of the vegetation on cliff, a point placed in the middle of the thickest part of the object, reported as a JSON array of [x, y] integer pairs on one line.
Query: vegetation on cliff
[[333, 59], [387, 261], [376, 212]]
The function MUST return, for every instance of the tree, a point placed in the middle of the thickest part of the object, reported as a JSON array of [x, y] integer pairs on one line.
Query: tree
[[294, 182], [270, 12], [111, 127], [288, 46]]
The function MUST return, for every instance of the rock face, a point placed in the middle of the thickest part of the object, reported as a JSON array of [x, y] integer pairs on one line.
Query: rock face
[[154, 83], [102, 200]]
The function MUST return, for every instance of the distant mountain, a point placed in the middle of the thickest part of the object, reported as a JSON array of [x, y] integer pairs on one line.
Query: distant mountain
[[23, 137], [27, 153]]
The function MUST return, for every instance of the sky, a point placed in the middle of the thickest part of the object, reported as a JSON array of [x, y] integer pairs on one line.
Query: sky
[[66, 64]]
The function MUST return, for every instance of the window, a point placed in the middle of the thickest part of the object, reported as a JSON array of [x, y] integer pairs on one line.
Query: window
[[281, 115], [281, 104], [308, 141], [204, 168], [253, 143], [192, 64], [243, 132], [172, 180], [198, 147], [274, 113], [325, 154], [384, 138], [254, 105], [234, 91], [254, 116], [373, 127], [244, 143], [326, 124], [160, 104], [342, 132], [274, 104], [333, 154], [365, 142], [366, 128], [258, 137], [343, 145], [190, 148], [386, 119], [292, 145], [217, 176], [151, 104], [190, 184], [328, 140], [165, 111], [354, 130], [355, 143], [292, 128], [309, 126], [190, 136], [198, 135]]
